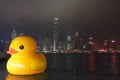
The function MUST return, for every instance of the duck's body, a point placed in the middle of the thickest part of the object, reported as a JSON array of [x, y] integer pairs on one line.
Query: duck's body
[[25, 62], [22, 65]]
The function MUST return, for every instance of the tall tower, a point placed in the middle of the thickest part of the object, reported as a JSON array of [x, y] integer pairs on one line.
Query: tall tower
[[76, 40], [69, 42], [56, 34], [14, 34]]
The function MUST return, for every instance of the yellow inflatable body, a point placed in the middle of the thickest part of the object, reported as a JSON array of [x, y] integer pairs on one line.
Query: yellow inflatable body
[[24, 60]]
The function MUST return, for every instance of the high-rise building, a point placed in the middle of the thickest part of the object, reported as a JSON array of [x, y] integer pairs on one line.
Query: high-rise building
[[46, 44], [2, 43], [14, 34], [76, 40], [21, 34], [69, 40], [56, 34]]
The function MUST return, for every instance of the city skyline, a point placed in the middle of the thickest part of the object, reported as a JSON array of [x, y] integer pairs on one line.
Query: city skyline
[[98, 18]]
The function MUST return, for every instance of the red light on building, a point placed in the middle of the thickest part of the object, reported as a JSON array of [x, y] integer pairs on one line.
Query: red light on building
[[90, 38], [105, 44], [113, 41]]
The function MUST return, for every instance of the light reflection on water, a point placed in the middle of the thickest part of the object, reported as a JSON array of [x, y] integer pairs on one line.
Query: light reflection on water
[[74, 67], [32, 77]]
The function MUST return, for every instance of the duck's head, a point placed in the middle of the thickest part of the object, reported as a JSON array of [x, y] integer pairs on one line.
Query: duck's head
[[22, 45]]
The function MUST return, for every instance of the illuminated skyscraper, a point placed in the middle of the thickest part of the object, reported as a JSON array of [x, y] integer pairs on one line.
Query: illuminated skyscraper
[[69, 42], [14, 34], [56, 34], [76, 40]]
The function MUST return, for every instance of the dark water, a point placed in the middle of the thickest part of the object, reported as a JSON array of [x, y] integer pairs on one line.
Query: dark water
[[74, 67]]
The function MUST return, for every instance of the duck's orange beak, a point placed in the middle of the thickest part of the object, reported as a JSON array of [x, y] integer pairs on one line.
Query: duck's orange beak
[[12, 51]]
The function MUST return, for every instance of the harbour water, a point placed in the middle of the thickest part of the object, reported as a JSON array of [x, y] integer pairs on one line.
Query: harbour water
[[75, 66]]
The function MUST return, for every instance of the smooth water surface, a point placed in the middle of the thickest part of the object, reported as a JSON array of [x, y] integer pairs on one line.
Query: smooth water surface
[[74, 67]]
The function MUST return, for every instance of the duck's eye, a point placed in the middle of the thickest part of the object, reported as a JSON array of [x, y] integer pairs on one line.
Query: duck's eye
[[21, 47]]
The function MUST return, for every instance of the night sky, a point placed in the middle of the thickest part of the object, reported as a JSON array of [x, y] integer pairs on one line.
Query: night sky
[[99, 18]]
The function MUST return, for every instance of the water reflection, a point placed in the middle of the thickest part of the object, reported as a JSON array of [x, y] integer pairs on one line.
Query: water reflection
[[92, 67], [114, 66], [30, 77], [91, 64], [75, 67]]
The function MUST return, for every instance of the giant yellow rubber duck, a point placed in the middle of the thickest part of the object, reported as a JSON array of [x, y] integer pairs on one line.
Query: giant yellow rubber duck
[[24, 60]]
